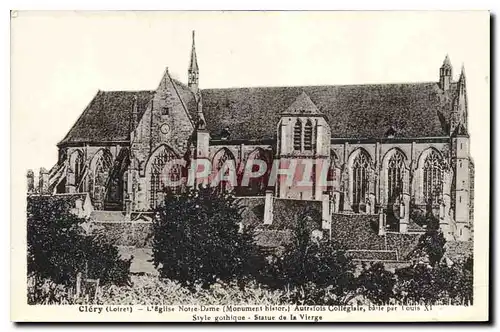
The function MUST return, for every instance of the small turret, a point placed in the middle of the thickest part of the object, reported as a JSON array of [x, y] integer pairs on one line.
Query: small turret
[[459, 116], [445, 74]]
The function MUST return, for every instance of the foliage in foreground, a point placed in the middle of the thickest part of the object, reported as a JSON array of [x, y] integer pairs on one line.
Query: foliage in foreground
[[150, 290], [205, 258], [197, 239], [59, 247], [313, 271], [430, 280]]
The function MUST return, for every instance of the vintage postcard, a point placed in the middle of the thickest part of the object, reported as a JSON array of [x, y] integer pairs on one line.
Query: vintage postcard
[[250, 166]]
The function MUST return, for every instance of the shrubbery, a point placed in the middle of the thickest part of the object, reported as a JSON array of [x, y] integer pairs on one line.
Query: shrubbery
[[430, 280], [206, 256], [59, 248], [313, 271], [198, 239]]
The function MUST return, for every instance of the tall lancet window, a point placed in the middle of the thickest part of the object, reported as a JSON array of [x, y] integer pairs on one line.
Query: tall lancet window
[[78, 166], [162, 177], [222, 159], [433, 178], [360, 177], [297, 136], [395, 175], [308, 136]]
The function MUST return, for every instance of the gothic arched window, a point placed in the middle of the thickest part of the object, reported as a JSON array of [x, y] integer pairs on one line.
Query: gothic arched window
[[101, 166], [163, 178], [77, 165], [221, 158], [308, 136], [257, 185], [395, 175], [360, 177], [332, 175], [297, 136], [116, 182], [433, 178]]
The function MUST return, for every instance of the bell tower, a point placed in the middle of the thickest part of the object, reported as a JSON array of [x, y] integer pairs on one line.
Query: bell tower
[[461, 162], [303, 149]]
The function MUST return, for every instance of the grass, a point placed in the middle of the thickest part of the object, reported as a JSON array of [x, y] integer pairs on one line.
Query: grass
[[141, 263]]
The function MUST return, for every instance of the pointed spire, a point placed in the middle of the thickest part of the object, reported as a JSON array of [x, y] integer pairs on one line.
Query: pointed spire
[[446, 62], [462, 73], [193, 72], [193, 65]]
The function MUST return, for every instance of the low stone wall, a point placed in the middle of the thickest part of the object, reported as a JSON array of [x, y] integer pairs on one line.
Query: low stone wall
[[391, 266]]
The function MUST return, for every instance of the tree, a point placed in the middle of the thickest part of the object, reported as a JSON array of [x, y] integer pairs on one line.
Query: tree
[[431, 243], [316, 272], [439, 284], [377, 284], [197, 238], [59, 248], [466, 282]]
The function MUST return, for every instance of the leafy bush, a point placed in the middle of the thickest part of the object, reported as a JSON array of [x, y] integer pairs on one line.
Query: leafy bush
[[440, 284], [45, 291], [431, 243], [377, 284], [59, 247], [312, 271], [197, 239]]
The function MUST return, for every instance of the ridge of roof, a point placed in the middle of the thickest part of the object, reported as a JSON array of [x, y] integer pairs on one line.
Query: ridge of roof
[[323, 85]]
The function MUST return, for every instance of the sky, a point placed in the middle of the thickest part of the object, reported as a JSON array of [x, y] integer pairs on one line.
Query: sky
[[59, 60]]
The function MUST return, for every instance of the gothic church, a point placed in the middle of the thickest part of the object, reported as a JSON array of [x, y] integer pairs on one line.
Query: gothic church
[[393, 149]]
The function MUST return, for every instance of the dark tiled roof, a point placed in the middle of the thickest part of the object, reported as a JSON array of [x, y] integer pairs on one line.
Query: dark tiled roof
[[353, 111], [273, 238], [287, 211], [107, 117], [69, 200], [357, 232], [187, 98]]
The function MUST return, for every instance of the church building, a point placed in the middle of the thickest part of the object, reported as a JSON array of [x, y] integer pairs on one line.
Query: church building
[[396, 151]]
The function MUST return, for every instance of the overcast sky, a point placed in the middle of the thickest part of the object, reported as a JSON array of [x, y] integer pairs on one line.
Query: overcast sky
[[60, 60]]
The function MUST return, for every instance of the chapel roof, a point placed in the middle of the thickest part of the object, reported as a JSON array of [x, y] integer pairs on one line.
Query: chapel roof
[[352, 111], [107, 117]]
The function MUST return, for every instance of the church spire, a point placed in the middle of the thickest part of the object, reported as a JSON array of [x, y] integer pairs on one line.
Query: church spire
[[462, 74], [445, 74], [459, 116], [193, 72]]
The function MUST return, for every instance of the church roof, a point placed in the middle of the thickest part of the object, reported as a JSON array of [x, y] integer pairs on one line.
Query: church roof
[[107, 117], [353, 111]]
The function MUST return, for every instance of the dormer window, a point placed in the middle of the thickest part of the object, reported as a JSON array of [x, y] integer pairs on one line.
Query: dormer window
[[225, 133], [390, 133]]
